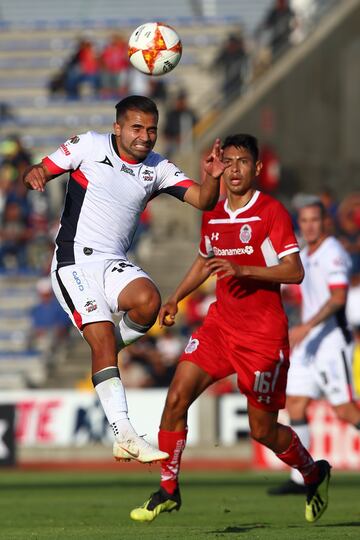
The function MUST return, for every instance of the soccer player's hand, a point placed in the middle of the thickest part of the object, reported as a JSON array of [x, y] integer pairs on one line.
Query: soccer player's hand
[[297, 334], [223, 268], [167, 314], [36, 178], [213, 164]]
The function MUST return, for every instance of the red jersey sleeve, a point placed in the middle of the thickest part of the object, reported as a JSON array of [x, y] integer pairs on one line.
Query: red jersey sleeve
[[281, 232], [205, 247]]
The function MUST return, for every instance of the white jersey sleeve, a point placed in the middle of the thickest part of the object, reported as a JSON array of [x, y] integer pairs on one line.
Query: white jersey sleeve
[[70, 154], [172, 180], [338, 265]]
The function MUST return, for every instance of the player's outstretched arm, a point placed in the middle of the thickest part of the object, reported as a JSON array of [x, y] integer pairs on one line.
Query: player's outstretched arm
[[205, 196], [196, 275], [335, 303], [36, 176], [289, 270]]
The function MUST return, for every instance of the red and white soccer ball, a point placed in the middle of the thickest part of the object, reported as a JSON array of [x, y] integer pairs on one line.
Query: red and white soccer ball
[[154, 48]]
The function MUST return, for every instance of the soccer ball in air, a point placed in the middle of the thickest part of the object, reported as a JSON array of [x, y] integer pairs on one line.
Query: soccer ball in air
[[154, 48]]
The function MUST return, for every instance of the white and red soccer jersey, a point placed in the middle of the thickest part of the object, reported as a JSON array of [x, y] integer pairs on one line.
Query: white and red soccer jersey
[[259, 234], [105, 196], [326, 268]]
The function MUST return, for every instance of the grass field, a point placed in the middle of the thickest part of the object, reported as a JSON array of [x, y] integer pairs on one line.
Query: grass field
[[91, 505]]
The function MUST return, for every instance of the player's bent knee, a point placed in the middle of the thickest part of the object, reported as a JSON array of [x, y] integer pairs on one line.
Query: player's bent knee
[[177, 403], [148, 301]]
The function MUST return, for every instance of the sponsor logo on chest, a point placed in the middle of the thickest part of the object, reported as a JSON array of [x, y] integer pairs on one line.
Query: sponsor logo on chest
[[127, 170]]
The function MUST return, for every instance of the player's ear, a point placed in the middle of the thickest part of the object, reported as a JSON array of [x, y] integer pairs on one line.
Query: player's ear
[[117, 128], [258, 167]]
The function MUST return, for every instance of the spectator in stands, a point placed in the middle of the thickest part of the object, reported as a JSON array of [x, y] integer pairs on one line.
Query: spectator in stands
[[280, 22], [179, 122], [158, 89], [114, 68], [232, 59], [349, 223], [326, 196], [50, 325], [83, 67], [6, 113], [14, 236]]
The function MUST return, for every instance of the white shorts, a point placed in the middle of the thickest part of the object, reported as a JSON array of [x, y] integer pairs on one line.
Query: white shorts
[[326, 371], [89, 292]]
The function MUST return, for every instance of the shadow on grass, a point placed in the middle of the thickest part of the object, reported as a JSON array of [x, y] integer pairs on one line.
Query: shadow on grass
[[63, 481], [245, 527]]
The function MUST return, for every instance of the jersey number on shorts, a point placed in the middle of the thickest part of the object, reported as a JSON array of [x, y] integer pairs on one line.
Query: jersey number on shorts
[[262, 381], [120, 267]]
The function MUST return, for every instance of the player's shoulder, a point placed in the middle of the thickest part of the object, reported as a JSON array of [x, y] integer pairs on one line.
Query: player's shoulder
[[332, 245], [218, 212], [83, 141], [270, 203], [153, 159]]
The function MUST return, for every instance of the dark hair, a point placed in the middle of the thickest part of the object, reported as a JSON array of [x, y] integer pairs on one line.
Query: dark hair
[[135, 103], [243, 140]]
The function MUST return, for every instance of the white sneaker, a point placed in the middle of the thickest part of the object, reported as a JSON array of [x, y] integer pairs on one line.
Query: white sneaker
[[139, 449]]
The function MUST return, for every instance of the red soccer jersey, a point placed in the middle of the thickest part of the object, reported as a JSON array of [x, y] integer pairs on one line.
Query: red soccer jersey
[[259, 234]]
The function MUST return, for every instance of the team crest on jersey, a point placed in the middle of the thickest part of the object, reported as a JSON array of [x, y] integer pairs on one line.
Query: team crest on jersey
[[192, 345], [75, 139], [127, 170], [245, 233], [148, 175], [90, 306]]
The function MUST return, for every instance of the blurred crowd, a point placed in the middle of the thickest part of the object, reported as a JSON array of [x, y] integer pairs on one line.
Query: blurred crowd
[[103, 73]]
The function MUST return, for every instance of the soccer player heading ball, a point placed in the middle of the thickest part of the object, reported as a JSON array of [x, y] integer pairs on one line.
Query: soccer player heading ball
[[249, 243], [111, 178]]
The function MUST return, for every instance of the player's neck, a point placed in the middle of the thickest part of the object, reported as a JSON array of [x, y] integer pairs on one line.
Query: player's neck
[[315, 245], [236, 201]]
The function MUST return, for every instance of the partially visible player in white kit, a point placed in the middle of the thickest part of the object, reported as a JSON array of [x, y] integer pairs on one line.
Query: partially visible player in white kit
[[322, 345], [112, 177]]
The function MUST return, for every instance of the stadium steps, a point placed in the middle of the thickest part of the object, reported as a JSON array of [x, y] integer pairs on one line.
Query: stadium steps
[[19, 366], [223, 121], [73, 366]]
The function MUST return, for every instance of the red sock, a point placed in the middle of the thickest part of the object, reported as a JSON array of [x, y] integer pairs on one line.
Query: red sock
[[298, 457], [172, 442]]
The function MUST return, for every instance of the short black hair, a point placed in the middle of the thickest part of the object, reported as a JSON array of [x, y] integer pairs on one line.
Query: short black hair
[[243, 140], [135, 103]]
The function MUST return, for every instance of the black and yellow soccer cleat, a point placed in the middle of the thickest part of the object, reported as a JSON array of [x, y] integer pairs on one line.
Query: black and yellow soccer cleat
[[160, 501], [317, 494]]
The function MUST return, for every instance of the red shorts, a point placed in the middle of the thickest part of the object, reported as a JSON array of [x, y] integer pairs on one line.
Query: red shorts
[[261, 367]]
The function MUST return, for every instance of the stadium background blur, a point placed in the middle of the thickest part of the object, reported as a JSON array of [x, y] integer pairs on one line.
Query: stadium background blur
[[287, 77]]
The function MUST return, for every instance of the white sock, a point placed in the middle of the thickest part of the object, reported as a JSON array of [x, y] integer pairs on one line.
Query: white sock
[[111, 393], [303, 432], [130, 331]]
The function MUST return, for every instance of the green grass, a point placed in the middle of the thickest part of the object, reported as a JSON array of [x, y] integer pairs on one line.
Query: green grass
[[230, 506]]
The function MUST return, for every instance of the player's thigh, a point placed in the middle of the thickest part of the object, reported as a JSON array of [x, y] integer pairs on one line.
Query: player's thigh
[[302, 380], [127, 287], [261, 374], [188, 383], [208, 349], [79, 292], [334, 373]]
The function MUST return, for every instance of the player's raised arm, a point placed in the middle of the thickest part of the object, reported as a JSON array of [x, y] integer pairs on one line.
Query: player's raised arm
[[205, 196], [36, 176], [196, 275]]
